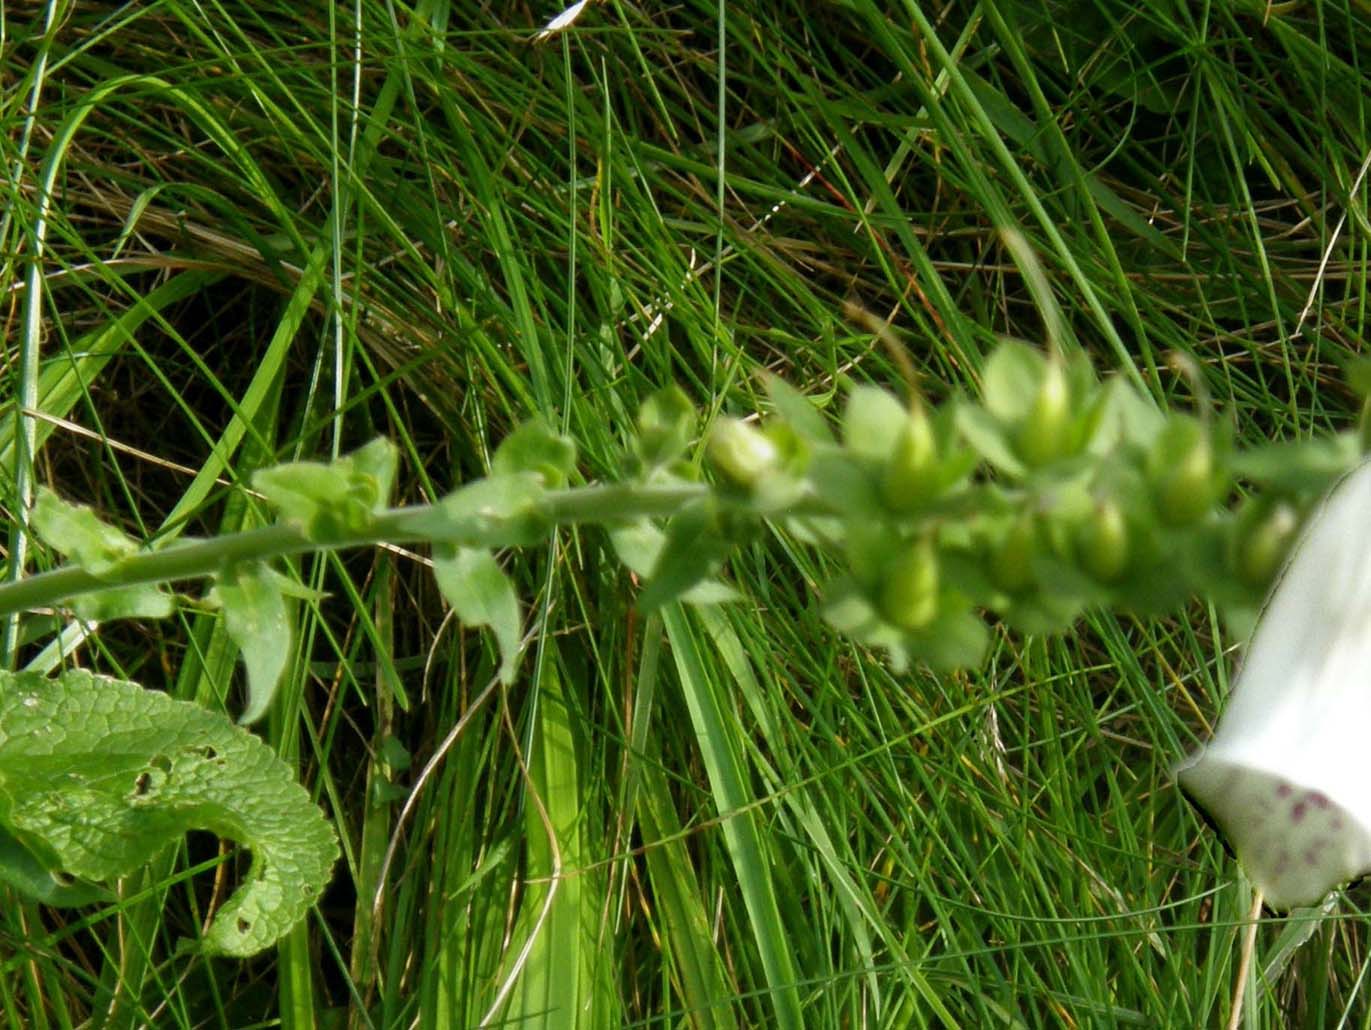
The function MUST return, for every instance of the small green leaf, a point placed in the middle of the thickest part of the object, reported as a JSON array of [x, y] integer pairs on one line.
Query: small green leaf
[[1121, 415], [305, 493], [1012, 380], [336, 500], [1299, 466], [987, 437], [373, 472], [498, 511], [75, 532], [533, 447], [78, 534], [844, 485], [98, 776], [873, 423], [956, 639], [481, 595], [666, 425], [692, 553], [139, 601], [798, 410], [394, 755], [258, 621], [639, 546]]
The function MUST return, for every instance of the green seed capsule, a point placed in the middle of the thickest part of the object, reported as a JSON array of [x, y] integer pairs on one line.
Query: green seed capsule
[[1264, 536], [909, 594], [1044, 435], [909, 477], [1182, 472], [1011, 562], [741, 454], [1103, 542]]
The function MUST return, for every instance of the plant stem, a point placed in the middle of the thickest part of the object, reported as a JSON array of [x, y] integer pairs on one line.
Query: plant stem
[[193, 559]]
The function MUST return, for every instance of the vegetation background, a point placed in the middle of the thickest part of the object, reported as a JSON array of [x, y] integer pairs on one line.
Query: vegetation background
[[277, 230]]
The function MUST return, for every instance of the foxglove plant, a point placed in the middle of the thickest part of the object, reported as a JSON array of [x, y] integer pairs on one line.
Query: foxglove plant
[[1052, 493]]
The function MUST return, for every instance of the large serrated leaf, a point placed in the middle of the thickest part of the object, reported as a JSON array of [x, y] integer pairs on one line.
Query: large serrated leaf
[[23, 870], [98, 775]]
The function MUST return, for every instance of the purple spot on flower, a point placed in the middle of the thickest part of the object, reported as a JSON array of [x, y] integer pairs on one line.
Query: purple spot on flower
[[1284, 790], [1319, 800], [1297, 811]]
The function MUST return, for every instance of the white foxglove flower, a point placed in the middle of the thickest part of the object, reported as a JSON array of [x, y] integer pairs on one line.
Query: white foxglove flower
[[1287, 776]]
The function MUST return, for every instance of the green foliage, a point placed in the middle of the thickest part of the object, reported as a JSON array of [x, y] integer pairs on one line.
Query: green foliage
[[534, 449], [1054, 496], [481, 595], [258, 622], [450, 231], [742, 455], [666, 427], [98, 776], [77, 533], [331, 502], [498, 511]]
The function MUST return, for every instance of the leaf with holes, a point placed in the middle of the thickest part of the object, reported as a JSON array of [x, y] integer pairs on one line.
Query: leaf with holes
[[98, 776]]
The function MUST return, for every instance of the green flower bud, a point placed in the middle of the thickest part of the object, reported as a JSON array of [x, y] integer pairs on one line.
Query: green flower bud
[[1182, 472], [909, 594], [1264, 535], [1011, 562], [909, 477], [1103, 542], [741, 454], [1044, 435]]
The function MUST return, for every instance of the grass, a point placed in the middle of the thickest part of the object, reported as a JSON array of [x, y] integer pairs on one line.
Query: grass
[[242, 233]]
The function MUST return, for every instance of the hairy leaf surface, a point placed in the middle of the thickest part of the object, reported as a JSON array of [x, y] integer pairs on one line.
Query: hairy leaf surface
[[98, 775]]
